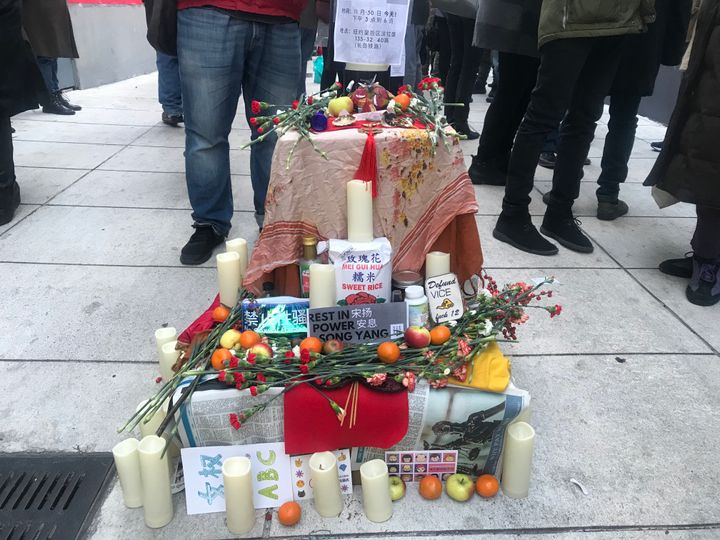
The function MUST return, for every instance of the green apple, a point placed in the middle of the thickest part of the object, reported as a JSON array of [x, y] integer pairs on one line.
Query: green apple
[[337, 105], [397, 488], [459, 487]]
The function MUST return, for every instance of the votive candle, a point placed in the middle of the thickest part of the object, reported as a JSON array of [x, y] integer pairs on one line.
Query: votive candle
[[517, 461], [164, 335], [127, 464], [359, 211], [239, 508], [375, 480], [157, 497], [322, 285], [239, 246], [437, 263], [325, 483], [168, 356], [228, 271]]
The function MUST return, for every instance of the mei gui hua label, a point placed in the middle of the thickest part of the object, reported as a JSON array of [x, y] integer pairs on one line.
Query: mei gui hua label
[[370, 323], [444, 297]]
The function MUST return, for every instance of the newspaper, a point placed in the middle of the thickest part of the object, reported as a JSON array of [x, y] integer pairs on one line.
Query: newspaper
[[204, 420], [470, 421]]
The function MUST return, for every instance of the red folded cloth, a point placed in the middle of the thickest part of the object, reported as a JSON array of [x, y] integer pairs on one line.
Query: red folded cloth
[[312, 426], [203, 323]]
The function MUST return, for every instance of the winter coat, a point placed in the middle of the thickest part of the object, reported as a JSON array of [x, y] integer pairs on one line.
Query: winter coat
[[49, 28], [21, 84], [663, 43], [688, 168], [593, 18], [509, 26]]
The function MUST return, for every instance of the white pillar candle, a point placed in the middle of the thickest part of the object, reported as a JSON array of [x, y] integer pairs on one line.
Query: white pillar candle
[[322, 285], [152, 425], [325, 483], [377, 502], [239, 508], [228, 271], [168, 356], [127, 464], [517, 461], [437, 263], [157, 498], [163, 336], [239, 246], [359, 211]]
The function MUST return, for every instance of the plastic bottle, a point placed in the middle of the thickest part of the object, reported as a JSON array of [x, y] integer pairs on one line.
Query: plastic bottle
[[417, 306], [309, 257]]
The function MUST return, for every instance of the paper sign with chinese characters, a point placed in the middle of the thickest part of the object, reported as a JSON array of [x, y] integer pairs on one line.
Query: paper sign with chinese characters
[[202, 467], [444, 297], [302, 486], [368, 323]]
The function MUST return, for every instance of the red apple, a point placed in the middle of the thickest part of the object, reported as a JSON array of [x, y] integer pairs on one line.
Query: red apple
[[417, 337], [262, 351], [332, 346]]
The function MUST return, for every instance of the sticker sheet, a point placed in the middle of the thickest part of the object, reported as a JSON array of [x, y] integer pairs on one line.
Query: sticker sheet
[[414, 466], [300, 470]]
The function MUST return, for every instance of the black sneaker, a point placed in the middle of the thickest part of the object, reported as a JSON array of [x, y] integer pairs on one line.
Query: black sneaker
[[704, 286], [486, 172], [55, 106], [608, 211], [10, 200], [464, 129], [520, 233], [172, 119], [62, 99], [657, 146], [566, 230], [678, 267], [201, 245]]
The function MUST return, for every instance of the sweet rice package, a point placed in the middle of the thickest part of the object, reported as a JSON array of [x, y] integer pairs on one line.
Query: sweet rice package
[[363, 271]]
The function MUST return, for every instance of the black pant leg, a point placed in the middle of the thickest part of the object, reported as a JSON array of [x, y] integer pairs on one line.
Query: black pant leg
[[468, 71], [7, 166], [561, 62], [444, 48], [518, 75], [618, 145], [706, 240], [578, 127], [457, 52]]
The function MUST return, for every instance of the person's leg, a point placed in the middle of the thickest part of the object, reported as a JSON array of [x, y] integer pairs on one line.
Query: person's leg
[[9, 189], [704, 286], [468, 73], [410, 56], [457, 50], [616, 153], [211, 49], [270, 75], [169, 92], [307, 44], [55, 103], [444, 52], [518, 74], [483, 72]]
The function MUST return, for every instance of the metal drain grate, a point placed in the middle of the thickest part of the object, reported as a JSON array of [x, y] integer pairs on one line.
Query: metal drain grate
[[49, 496]]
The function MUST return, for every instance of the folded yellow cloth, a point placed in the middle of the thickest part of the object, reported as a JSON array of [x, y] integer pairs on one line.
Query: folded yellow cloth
[[491, 370]]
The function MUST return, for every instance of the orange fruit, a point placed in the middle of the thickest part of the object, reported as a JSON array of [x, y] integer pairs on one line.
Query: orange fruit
[[487, 485], [218, 358], [289, 513], [220, 313], [312, 344], [430, 487], [439, 335], [249, 339], [388, 352], [403, 101]]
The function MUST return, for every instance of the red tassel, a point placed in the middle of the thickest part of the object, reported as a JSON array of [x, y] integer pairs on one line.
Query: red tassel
[[368, 163]]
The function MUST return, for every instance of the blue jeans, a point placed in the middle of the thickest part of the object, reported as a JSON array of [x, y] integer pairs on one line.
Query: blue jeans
[[221, 57], [169, 94], [307, 45], [48, 68]]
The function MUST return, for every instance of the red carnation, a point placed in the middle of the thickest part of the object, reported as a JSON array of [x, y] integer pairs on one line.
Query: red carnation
[[310, 100], [158, 380], [255, 107], [233, 362], [295, 104], [250, 358], [234, 421], [305, 356], [304, 369], [253, 121], [221, 376], [239, 377], [260, 377], [253, 390], [260, 130], [289, 354], [555, 310], [404, 89], [276, 120]]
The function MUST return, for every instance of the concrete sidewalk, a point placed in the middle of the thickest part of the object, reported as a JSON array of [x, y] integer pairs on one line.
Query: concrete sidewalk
[[625, 383]]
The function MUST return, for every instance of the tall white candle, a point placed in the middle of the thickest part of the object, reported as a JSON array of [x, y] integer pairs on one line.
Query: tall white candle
[[168, 356], [153, 423], [157, 498], [239, 246], [127, 464], [377, 502], [163, 336], [239, 508], [359, 211], [437, 263], [322, 285], [228, 268], [325, 483], [517, 461]]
